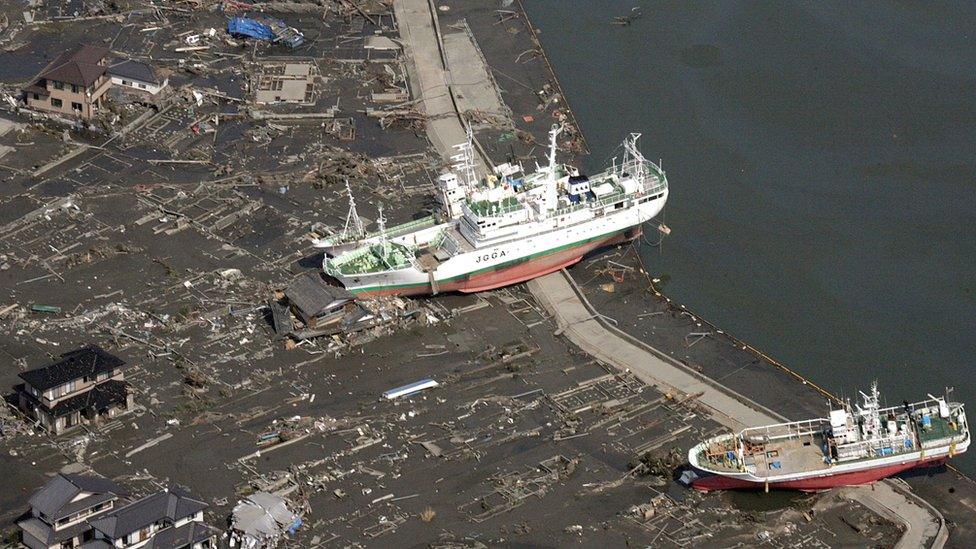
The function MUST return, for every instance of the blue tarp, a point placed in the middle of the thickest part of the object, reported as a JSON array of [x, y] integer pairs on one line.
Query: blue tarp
[[250, 28]]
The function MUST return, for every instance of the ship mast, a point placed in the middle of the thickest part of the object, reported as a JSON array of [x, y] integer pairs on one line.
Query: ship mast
[[384, 243], [463, 161], [633, 162], [354, 225], [553, 133]]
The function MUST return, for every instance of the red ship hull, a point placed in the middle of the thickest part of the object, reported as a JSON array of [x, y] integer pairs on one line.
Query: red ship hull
[[814, 484], [513, 274]]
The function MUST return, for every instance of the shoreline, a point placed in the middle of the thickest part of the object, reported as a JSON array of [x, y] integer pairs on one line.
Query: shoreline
[[764, 358]]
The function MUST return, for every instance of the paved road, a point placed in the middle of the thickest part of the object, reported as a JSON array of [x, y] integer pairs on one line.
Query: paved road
[[578, 323], [429, 77]]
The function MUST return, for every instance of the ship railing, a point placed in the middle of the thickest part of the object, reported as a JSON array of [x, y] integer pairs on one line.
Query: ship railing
[[647, 170], [488, 211], [408, 227], [793, 429], [600, 202], [868, 448]]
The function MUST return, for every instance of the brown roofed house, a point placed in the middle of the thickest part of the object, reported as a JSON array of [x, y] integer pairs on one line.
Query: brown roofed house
[[73, 84]]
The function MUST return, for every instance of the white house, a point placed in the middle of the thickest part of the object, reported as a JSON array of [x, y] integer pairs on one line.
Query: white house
[[137, 76]]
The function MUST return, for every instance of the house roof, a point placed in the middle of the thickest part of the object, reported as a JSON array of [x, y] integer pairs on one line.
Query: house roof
[[79, 65], [172, 505], [54, 498], [42, 531], [87, 361], [184, 536], [313, 296], [136, 70]]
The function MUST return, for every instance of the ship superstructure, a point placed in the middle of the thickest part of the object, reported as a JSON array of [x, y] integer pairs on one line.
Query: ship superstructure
[[505, 228], [854, 445]]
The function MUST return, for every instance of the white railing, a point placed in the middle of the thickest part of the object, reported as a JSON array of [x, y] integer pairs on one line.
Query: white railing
[[793, 429]]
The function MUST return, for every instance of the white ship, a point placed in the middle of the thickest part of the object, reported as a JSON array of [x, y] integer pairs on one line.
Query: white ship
[[508, 228]]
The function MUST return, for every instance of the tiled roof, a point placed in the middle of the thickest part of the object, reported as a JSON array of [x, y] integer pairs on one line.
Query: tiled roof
[[172, 505], [55, 496], [184, 536], [313, 296], [79, 66], [87, 361], [134, 70]]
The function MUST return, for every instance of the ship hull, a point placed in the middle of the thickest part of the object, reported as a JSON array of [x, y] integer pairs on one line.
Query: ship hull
[[711, 481], [508, 274]]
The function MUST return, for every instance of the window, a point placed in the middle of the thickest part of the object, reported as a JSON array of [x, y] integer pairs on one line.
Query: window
[[102, 376], [76, 107], [74, 88], [58, 85], [143, 86], [36, 97], [55, 102], [126, 82]]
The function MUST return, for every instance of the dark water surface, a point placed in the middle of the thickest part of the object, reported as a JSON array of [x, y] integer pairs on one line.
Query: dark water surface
[[822, 160]]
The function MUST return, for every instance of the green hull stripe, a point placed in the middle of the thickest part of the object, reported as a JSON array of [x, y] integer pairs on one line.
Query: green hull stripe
[[494, 267]]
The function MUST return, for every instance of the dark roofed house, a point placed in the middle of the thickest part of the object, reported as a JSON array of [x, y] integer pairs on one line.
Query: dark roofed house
[[89, 512], [137, 77], [85, 386], [316, 302], [168, 519], [59, 512], [74, 83]]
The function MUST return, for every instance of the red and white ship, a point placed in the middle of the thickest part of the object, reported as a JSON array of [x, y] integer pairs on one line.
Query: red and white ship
[[855, 445]]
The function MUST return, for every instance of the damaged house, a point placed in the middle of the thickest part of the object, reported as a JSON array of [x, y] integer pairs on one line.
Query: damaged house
[[137, 78], [89, 511], [316, 303], [73, 84], [86, 386], [60, 510]]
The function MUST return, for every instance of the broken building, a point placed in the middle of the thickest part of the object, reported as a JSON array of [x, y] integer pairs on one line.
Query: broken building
[[286, 83], [85, 386], [73, 84], [316, 303], [138, 78]]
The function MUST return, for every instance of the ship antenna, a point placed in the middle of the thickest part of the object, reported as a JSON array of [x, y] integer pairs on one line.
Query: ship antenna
[[352, 218], [553, 133]]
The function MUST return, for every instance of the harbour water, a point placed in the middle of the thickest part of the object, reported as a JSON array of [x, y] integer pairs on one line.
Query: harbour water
[[822, 158]]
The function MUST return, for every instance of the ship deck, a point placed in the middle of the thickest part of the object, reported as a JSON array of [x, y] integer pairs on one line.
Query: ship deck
[[940, 429], [780, 457]]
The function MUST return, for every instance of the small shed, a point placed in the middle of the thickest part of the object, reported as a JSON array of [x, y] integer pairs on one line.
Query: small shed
[[314, 301]]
